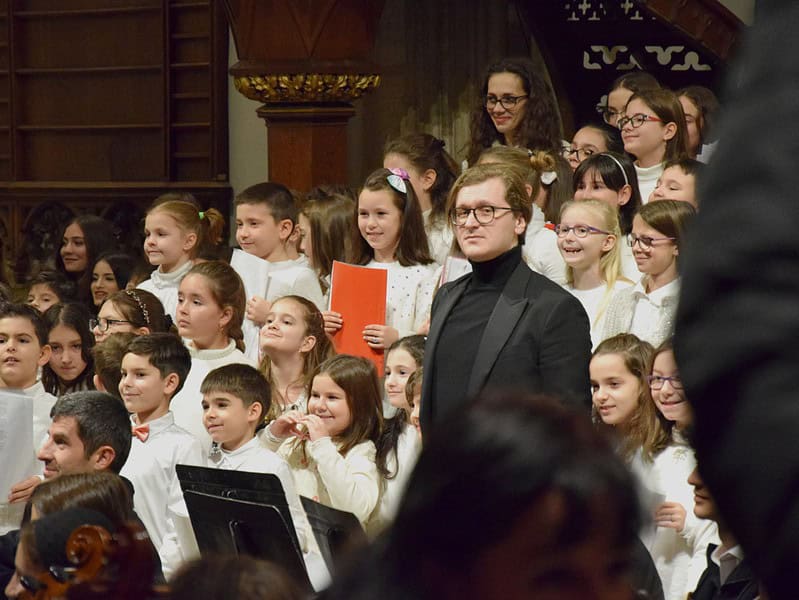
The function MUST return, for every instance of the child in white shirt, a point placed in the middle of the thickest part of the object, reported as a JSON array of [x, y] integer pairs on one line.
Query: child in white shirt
[[235, 399], [153, 370], [266, 227], [23, 350]]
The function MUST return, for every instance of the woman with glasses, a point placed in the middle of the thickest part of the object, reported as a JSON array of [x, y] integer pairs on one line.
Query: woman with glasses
[[589, 238], [516, 107], [647, 309], [653, 130], [679, 544]]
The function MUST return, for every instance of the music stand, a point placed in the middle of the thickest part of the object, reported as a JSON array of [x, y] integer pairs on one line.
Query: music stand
[[336, 531], [231, 526]]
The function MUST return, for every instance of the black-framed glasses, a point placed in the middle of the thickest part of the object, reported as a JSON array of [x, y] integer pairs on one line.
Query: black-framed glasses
[[482, 214], [636, 120], [608, 114], [581, 153], [103, 324], [645, 241], [581, 231], [656, 382], [507, 102]]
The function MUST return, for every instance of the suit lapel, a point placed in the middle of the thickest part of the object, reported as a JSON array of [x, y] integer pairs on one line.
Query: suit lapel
[[504, 318]]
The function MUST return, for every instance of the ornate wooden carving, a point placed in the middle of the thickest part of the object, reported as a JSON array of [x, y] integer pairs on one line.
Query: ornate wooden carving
[[307, 60]]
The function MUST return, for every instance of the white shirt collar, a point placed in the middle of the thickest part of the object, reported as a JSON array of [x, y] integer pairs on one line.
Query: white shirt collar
[[660, 295]]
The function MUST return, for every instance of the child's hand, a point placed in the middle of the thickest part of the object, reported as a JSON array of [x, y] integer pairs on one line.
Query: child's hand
[[20, 492], [670, 514], [316, 427], [257, 309], [287, 425], [380, 336], [333, 321]]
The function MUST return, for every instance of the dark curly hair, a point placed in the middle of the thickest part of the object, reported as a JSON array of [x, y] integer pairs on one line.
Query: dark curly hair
[[541, 127]]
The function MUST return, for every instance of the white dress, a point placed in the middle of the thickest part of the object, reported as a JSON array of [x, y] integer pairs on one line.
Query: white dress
[[680, 557], [592, 301], [350, 483], [409, 295], [165, 287], [649, 316], [439, 237], [540, 249], [401, 462]]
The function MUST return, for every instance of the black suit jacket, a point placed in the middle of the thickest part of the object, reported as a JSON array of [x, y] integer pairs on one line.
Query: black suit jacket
[[537, 338], [741, 584]]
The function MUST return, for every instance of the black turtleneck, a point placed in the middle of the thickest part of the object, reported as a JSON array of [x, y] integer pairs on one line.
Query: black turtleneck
[[462, 331]]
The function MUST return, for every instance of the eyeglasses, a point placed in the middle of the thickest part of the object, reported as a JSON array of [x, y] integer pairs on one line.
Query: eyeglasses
[[581, 153], [104, 324], [482, 214], [656, 382], [581, 231], [507, 102], [645, 241], [636, 120], [608, 114]]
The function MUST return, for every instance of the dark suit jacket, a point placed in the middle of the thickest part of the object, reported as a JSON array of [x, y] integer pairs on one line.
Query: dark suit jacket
[[537, 338], [741, 584]]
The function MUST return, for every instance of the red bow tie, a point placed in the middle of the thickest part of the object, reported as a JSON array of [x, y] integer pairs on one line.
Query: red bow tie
[[142, 431]]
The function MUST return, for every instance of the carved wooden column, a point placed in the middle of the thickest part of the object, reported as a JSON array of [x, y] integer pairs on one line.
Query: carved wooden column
[[306, 61]]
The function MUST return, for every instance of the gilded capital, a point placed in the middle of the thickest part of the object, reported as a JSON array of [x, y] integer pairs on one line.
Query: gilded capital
[[305, 87]]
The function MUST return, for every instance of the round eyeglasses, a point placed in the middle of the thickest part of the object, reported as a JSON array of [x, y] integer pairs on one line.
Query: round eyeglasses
[[656, 382], [103, 324], [482, 214], [609, 115], [507, 102], [581, 231], [580, 153], [646, 242], [636, 120]]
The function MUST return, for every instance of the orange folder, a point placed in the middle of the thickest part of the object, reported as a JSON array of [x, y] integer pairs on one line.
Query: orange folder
[[359, 294]]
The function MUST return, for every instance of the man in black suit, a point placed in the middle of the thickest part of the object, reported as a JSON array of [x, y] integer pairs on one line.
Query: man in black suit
[[501, 326]]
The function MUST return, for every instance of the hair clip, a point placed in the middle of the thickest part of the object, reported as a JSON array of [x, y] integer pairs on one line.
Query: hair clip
[[548, 177], [397, 180], [202, 215], [142, 308]]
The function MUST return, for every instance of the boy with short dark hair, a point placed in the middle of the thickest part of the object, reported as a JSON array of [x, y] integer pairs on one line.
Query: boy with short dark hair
[[266, 228], [23, 350], [153, 371], [108, 356], [235, 399]]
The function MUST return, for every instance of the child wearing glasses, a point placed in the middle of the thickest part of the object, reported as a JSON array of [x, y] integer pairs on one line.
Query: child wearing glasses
[[589, 240], [134, 311], [647, 309], [653, 130], [516, 107], [679, 544], [591, 139], [390, 235], [620, 91]]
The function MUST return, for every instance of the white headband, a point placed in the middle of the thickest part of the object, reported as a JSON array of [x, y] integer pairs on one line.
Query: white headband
[[616, 160]]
